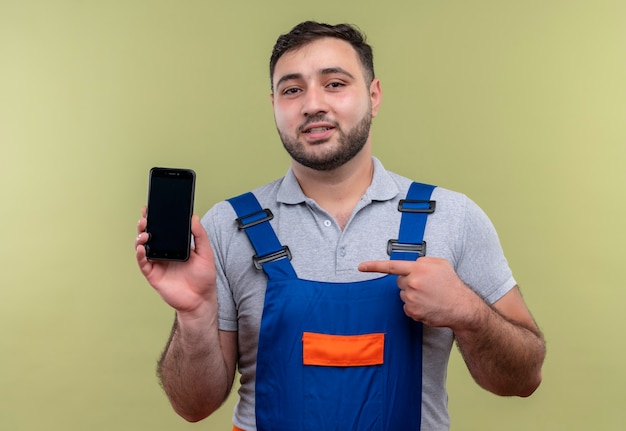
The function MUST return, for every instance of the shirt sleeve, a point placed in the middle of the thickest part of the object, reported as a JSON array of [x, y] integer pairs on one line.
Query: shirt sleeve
[[483, 266], [227, 310]]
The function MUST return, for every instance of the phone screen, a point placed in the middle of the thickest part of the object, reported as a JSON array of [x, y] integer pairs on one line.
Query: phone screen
[[170, 207]]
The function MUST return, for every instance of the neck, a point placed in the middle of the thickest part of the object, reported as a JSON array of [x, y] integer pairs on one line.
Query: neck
[[337, 191]]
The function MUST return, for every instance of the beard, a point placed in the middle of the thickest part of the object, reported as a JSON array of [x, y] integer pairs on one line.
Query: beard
[[349, 145]]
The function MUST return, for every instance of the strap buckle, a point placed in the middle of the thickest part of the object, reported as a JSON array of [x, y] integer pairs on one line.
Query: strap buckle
[[259, 261], [254, 218], [393, 245], [417, 206]]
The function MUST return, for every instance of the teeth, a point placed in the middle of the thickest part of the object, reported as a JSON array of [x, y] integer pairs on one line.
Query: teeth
[[318, 129]]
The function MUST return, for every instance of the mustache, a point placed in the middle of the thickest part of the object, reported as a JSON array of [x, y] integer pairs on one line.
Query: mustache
[[317, 118]]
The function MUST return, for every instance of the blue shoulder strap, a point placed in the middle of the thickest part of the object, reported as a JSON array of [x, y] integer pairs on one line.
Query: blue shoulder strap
[[271, 256], [415, 210]]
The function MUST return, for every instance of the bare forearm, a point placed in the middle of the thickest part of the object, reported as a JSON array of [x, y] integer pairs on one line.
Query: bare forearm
[[193, 370], [503, 356]]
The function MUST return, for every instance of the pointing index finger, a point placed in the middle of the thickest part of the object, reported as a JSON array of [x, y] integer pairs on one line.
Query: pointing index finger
[[395, 267]]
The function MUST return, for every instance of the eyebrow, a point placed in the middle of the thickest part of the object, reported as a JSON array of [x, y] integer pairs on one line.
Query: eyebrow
[[333, 70], [325, 71]]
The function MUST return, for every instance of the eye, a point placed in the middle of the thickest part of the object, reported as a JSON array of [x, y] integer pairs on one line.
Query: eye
[[336, 84], [290, 91]]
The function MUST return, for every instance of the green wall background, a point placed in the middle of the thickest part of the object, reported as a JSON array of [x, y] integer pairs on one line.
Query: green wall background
[[520, 105]]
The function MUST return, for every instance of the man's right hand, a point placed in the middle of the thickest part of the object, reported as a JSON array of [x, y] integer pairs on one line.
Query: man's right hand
[[185, 286]]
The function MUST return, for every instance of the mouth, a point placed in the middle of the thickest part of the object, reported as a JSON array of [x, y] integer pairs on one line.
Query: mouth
[[317, 131], [317, 126]]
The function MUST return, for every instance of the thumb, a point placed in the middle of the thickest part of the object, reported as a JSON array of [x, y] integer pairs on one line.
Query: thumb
[[200, 237]]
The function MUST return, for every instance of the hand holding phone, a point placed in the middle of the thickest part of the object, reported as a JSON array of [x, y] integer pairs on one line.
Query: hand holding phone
[[170, 207]]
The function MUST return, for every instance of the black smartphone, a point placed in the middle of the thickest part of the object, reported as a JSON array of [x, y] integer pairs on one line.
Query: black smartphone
[[170, 207]]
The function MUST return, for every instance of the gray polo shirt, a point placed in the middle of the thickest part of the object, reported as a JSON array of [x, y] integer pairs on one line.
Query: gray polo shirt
[[458, 231]]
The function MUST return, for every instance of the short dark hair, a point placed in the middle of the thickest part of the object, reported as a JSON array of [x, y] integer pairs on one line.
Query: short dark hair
[[310, 31]]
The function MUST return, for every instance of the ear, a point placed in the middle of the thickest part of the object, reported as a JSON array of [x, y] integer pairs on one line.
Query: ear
[[376, 96], [272, 99]]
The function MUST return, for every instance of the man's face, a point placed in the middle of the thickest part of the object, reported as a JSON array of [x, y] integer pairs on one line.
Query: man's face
[[323, 107]]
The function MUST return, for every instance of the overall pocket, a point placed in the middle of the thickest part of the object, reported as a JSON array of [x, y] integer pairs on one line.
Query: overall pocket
[[343, 381]]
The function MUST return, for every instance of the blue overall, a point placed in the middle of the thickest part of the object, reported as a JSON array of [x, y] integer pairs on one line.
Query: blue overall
[[336, 356]]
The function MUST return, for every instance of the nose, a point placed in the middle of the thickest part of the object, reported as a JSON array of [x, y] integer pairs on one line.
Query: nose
[[314, 102]]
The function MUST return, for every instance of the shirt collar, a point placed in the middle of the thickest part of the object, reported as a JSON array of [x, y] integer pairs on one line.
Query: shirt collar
[[382, 188]]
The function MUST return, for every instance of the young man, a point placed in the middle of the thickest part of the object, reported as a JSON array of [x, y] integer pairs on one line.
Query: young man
[[294, 283]]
